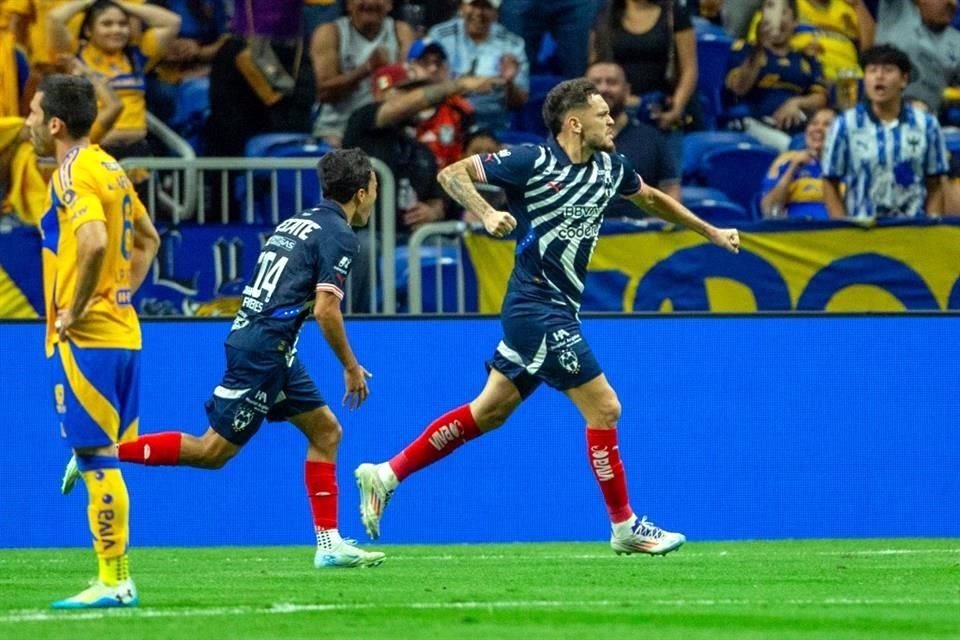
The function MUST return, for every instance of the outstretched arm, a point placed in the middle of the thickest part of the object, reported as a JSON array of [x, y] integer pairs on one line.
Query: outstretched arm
[[657, 203], [457, 180]]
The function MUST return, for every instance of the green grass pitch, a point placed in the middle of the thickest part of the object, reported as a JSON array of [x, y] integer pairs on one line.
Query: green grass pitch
[[829, 589]]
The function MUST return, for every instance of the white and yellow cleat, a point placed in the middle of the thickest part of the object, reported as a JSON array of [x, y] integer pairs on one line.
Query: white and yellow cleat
[[374, 497], [101, 596], [71, 474], [639, 535]]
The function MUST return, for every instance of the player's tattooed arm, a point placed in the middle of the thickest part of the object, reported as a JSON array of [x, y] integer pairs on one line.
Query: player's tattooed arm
[[457, 180]]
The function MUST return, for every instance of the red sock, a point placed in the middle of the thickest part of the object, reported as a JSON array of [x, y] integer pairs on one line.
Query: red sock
[[444, 434], [604, 453], [321, 480], [154, 449]]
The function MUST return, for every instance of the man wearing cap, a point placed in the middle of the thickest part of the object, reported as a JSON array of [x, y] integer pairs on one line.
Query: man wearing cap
[[386, 130], [444, 127], [477, 45]]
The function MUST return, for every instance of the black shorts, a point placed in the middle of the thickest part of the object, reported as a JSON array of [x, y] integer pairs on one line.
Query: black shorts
[[543, 343], [258, 385]]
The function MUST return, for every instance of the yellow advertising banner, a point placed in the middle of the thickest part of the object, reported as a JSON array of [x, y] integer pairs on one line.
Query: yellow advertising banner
[[840, 268]]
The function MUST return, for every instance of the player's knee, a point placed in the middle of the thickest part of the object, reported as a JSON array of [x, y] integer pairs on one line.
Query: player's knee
[[328, 435], [215, 455], [608, 410], [490, 417]]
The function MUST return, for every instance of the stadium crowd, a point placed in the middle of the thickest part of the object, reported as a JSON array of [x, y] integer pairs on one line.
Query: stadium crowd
[[788, 91]]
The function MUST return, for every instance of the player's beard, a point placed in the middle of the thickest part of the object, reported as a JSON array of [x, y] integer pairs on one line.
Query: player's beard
[[601, 142], [42, 143]]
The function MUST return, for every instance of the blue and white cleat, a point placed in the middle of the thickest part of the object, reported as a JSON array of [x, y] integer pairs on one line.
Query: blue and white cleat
[[374, 497], [642, 536], [344, 555], [70, 476], [101, 596]]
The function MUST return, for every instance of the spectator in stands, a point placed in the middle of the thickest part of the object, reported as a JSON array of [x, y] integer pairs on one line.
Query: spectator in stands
[[109, 104], [777, 85], [381, 129], [14, 70], [643, 145], [922, 29], [793, 188], [710, 10], [202, 33], [563, 19], [658, 52], [834, 32], [889, 154], [345, 53], [23, 186], [241, 105], [478, 45], [107, 49], [444, 127], [481, 141]]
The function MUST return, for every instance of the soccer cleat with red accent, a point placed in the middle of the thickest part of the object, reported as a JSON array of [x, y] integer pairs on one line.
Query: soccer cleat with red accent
[[642, 536], [374, 497]]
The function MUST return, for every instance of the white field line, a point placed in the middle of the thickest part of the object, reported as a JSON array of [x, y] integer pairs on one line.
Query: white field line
[[44, 615]]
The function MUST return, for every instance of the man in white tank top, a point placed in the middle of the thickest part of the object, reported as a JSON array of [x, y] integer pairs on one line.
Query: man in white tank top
[[345, 53]]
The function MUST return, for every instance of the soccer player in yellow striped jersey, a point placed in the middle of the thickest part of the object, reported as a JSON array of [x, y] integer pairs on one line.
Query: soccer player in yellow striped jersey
[[98, 243]]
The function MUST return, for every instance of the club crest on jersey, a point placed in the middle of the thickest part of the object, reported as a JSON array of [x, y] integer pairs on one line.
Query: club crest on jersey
[[569, 361]]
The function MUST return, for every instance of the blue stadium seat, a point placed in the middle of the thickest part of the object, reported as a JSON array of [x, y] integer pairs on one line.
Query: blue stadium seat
[[703, 26], [721, 212], [432, 260], [192, 110], [738, 169], [696, 143], [696, 193], [952, 137], [529, 117], [509, 136], [712, 52], [283, 145]]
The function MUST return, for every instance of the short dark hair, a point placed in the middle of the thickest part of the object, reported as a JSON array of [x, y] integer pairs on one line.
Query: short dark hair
[[343, 172], [72, 99], [886, 54], [570, 94]]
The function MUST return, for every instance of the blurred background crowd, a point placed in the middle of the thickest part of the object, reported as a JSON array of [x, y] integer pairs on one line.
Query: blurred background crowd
[[746, 109]]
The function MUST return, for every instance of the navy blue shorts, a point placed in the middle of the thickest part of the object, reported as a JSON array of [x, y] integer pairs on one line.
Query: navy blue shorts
[[258, 385], [543, 343]]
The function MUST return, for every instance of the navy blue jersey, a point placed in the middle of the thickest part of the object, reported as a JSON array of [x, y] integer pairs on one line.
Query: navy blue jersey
[[307, 253], [559, 208]]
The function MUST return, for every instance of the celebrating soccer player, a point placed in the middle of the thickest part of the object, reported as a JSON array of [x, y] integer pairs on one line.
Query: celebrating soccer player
[[301, 271], [98, 243], [556, 193]]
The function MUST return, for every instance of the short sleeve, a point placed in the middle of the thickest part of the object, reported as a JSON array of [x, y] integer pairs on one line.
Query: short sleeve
[[681, 18], [335, 256], [632, 183], [776, 171], [509, 167], [80, 198], [935, 161], [836, 151]]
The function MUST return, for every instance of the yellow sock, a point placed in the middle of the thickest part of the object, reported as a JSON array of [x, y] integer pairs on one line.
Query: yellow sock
[[108, 512]]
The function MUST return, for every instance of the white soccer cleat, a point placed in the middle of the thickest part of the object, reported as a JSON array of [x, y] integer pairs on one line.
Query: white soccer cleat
[[346, 555], [70, 476], [102, 596], [374, 497], [643, 536]]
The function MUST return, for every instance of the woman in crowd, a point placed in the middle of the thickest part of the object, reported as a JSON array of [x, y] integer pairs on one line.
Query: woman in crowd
[[793, 187], [654, 42], [106, 47]]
